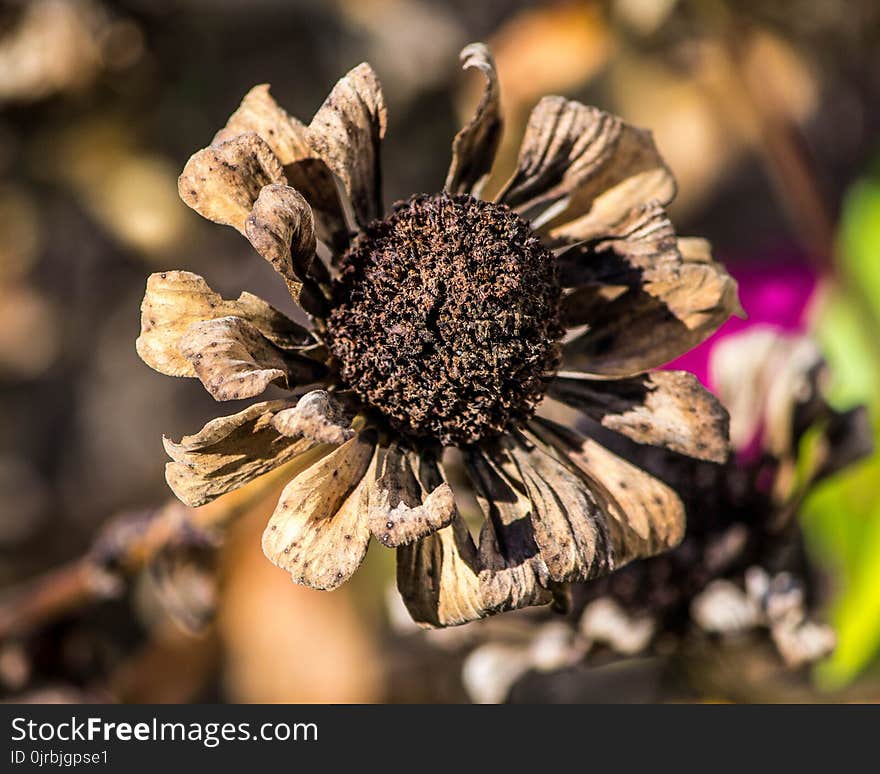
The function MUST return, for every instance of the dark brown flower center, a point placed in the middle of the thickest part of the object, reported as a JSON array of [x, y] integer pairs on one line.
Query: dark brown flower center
[[446, 318]]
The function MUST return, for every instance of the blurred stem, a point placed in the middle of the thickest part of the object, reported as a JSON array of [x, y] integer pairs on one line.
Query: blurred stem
[[125, 547]]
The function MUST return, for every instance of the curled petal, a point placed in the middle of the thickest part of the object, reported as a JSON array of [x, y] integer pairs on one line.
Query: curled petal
[[317, 415], [475, 145], [399, 512], [261, 115], [346, 134], [663, 302], [222, 182], [512, 573], [438, 576], [663, 408], [318, 532], [176, 299], [228, 452], [234, 360], [642, 515]]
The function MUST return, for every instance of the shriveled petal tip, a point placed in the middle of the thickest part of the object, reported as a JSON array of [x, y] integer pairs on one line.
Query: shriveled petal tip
[[318, 532], [475, 145], [640, 515], [658, 305], [222, 182], [228, 452], [399, 511], [346, 134], [663, 408], [260, 114], [317, 415], [233, 360], [174, 300]]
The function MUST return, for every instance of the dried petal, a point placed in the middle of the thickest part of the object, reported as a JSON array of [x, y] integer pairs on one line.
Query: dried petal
[[176, 299], [318, 532], [346, 134], [642, 516], [228, 452], [317, 415], [261, 115], [399, 512], [234, 360], [222, 182], [672, 303], [438, 576], [475, 145], [511, 566], [663, 408]]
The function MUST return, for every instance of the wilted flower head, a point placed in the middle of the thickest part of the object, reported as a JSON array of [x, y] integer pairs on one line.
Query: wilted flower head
[[448, 321]]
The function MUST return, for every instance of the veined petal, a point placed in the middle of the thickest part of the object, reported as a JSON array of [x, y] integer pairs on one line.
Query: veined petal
[[318, 532], [475, 145], [642, 516], [174, 300], [512, 573], [399, 511], [346, 134], [223, 181], [233, 360], [662, 408], [228, 452], [663, 301], [438, 576]]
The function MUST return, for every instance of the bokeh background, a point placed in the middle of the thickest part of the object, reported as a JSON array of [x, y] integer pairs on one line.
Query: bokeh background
[[768, 113]]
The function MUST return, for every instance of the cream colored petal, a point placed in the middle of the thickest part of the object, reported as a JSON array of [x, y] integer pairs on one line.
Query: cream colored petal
[[438, 576], [584, 163], [317, 415], [176, 299], [318, 532], [669, 305], [222, 182], [663, 408], [511, 568], [475, 145], [346, 134], [572, 532], [228, 452], [642, 516], [399, 511], [234, 360], [260, 114]]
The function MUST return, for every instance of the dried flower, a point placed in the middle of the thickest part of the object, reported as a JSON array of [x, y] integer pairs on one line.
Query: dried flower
[[445, 323]]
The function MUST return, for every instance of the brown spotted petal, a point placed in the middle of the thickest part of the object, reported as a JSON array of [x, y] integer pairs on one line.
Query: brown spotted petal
[[642, 516], [228, 452], [474, 147], [664, 299], [438, 576], [233, 360], [663, 408], [346, 134], [573, 534], [223, 181], [176, 299], [261, 115], [317, 415], [511, 568], [399, 512], [318, 532]]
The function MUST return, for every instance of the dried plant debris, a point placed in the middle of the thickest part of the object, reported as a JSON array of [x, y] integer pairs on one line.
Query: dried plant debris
[[442, 322]]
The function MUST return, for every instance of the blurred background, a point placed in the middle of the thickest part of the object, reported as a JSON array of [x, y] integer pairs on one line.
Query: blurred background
[[767, 112]]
